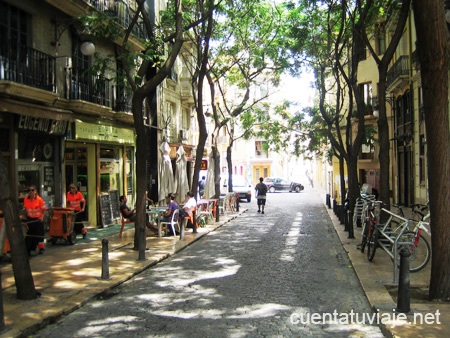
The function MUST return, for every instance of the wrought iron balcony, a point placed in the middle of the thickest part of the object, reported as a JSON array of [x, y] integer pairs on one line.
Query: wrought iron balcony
[[398, 72], [121, 100], [121, 12], [92, 89], [27, 66]]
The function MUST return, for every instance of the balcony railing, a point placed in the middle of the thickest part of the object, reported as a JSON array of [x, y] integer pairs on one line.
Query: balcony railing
[[121, 12], [121, 100], [101, 5], [27, 66], [92, 89], [399, 69]]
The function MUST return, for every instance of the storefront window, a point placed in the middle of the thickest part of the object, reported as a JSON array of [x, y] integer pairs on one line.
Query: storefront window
[[36, 148], [36, 166], [110, 169], [129, 168], [76, 171]]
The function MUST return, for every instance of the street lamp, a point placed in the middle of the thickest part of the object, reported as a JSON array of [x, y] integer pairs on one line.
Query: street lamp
[[87, 48]]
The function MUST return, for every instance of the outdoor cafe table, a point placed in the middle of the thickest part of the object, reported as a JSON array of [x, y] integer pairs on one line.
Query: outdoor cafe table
[[156, 212]]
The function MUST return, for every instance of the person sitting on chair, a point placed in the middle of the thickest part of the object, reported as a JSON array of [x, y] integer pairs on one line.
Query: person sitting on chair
[[126, 212], [189, 206], [171, 207], [130, 214]]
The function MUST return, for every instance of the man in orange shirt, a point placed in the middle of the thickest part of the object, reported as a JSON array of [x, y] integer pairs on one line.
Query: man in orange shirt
[[76, 201], [35, 209]]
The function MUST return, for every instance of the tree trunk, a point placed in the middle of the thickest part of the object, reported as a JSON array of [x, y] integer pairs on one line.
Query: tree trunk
[[383, 137], [353, 188], [432, 38], [230, 165], [141, 169], [19, 255], [216, 157]]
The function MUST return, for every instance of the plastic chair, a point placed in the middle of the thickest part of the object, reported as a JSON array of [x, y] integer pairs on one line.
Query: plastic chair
[[226, 203], [206, 209], [172, 223]]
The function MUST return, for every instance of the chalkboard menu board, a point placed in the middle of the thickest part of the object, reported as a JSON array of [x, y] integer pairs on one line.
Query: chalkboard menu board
[[105, 206], [114, 200], [109, 206]]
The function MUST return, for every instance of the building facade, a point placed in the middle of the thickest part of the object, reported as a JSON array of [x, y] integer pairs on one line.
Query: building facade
[[60, 121]]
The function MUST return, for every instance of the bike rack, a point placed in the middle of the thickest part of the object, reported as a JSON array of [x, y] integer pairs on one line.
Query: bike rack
[[392, 239]]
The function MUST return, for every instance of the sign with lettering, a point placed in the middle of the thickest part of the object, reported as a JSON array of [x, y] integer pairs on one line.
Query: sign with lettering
[[41, 124], [204, 165], [101, 132], [105, 207]]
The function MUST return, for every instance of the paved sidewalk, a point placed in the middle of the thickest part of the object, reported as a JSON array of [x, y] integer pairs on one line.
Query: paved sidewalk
[[377, 280], [70, 275]]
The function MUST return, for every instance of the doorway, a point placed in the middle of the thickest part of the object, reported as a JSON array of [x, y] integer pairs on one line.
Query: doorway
[[76, 173]]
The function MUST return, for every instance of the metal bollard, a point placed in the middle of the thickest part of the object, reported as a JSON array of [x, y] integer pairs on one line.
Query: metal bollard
[[341, 212], [335, 207], [237, 203], [105, 259], [194, 218], [328, 200], [217, 212], [142, 244], [183, 227], [349, 215], [345, 216], [403, 300]]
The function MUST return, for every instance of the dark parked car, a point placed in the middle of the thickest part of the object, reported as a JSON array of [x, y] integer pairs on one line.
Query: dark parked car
[[279, 184]]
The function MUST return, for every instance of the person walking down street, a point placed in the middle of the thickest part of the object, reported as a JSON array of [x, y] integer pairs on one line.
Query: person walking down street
[[35, 209], [201, 186], [76, 201], [261, 191]]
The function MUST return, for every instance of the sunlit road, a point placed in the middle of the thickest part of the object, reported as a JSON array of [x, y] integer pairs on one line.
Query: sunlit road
[[281, 274]]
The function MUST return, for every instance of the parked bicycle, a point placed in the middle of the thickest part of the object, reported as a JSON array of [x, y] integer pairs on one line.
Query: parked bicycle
[[369, 217], [419, 248], [395, 234]]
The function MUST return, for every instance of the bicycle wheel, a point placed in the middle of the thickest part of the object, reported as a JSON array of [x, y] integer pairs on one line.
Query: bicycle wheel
[[420, 253], [372, 243], [364, 235]]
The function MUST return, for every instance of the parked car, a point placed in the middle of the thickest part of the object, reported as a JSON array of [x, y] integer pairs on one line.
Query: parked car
[[279, 184], [240, 186]]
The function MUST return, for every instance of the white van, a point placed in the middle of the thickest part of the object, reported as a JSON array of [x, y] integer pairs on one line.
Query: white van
[[240, 186]]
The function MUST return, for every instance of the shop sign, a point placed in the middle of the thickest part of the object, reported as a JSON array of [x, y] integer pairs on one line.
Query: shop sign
[[101, 132], [204, 165], [41, 124]]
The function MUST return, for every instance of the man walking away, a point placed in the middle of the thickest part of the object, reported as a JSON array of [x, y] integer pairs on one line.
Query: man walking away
[[261, 191], [201, 186]]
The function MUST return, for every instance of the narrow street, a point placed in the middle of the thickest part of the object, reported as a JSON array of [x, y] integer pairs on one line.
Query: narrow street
[[271, 275]]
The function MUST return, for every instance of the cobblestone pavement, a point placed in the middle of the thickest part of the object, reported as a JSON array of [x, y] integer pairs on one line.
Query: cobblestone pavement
[[257, 276]]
